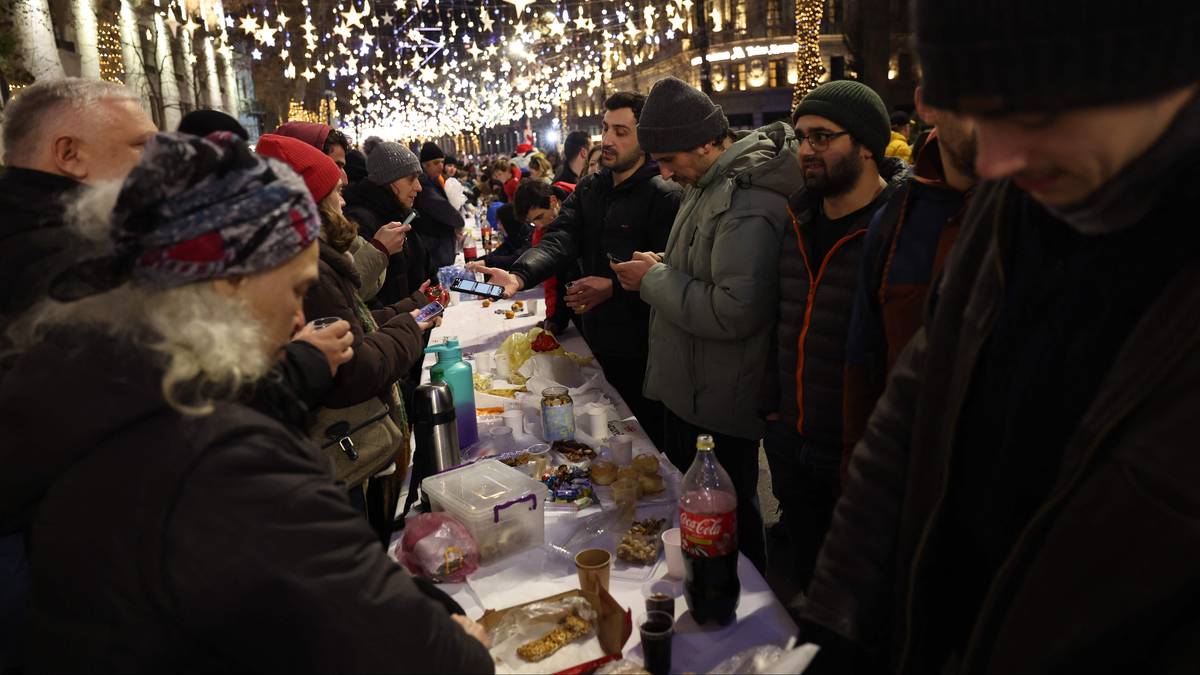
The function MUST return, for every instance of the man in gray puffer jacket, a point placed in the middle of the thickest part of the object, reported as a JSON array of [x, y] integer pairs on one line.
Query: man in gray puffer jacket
[[713, 294]]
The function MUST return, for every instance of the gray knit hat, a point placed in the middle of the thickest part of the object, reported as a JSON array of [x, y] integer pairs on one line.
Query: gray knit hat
[[389, 162], [677, 117], [856, 107]]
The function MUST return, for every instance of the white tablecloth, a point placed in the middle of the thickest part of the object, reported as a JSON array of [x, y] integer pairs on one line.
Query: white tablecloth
[[529, 576]]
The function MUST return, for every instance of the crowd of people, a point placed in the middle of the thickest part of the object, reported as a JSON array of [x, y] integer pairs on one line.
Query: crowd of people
[[972, 361]]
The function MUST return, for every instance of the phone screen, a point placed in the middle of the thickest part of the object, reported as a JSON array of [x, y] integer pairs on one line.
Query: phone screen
[[465, 285], [429, 311]]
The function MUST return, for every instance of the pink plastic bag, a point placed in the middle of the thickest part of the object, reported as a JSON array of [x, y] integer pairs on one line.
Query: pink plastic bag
[[438, 547]]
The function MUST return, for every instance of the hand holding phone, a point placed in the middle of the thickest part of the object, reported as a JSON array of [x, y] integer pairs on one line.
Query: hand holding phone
[[483, 290], [614, 259], [428, 313]]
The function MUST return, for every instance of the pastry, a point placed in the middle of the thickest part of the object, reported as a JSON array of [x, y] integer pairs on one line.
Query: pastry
[[509, 315], [641, 543], [604, 472], [628, 472], [646, 464], [651, 483], [569, 629], [487, 303]]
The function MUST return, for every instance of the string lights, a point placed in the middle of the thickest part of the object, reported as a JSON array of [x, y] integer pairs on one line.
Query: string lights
[[108, 43], [809, 65]]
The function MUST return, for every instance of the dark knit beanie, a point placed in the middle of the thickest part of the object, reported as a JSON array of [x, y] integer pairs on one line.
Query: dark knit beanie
[[203, 122], [993, 56], [389, 162], [677, 117], [430, 151], [854, 106]]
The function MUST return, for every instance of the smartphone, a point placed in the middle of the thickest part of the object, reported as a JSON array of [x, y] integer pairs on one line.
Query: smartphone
[[615, 260], [428, 312], [485, 290]]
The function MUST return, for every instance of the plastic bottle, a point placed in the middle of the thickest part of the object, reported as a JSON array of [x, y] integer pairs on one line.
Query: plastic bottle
[[451, 369], [708, 537], [469, 251]]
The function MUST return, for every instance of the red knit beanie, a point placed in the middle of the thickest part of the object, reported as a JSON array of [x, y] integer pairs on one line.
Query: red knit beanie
[[319, 172]]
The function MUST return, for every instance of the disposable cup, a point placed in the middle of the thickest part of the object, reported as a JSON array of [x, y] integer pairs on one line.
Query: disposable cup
[[593, 566], [671, 544], [622, 450]]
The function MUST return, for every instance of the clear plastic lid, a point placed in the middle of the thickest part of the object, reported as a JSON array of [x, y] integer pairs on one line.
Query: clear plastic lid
[[480, 487]]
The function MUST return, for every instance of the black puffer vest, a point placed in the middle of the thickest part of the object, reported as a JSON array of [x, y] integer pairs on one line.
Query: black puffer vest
[[815, 300]]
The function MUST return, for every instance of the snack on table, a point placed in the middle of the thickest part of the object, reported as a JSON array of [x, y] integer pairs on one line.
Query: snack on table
[[488, 411], [487, 303], [628, 472], [646, 463], [604, 472], [518, 305], [515, 460], [641, 543], [569, 629], [544, 342], [574, 450], [651, 483], [568, 485], [510, 314]]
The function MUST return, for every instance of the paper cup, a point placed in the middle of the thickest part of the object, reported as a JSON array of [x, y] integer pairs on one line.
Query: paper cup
[[531, 306], [515, 420], [593, 566], [622, 449], [597, 419], [671, 544], [502, 365]]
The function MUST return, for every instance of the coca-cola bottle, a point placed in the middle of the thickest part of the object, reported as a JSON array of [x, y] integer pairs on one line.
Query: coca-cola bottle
[[708, 536]]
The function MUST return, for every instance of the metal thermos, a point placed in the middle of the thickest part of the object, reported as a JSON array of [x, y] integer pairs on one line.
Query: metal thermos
[[435, 429]]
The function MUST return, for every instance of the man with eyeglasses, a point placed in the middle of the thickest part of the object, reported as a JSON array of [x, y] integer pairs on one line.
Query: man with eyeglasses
[[843, 130]]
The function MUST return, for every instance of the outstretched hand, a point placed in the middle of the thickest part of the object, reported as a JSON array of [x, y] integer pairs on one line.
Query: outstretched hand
[[511, 283]]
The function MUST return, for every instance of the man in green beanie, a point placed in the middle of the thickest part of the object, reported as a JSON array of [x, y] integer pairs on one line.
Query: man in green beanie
[[1024, 497], [843, 130], [714, 292]]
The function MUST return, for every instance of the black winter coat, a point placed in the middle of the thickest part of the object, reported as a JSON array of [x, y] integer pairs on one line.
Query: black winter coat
[[34, 243], [372, 206], [163, 542], [815, 301], [436, 217], [596, 220]]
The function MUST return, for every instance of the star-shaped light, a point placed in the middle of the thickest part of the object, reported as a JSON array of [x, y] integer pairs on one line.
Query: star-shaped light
[[586, 25], [255, 54], [474, 51], [428, 75], [249, 25], [308, 74], [342, 31], [557, 27], [485, 20], [492, 50], [352, 63], [367, 39], [520, 5], [283, 20], [290, 72], [387, 19], [266, 35], [519, 29], [678, 22], [353, 17], [631, 29], [343, 49]]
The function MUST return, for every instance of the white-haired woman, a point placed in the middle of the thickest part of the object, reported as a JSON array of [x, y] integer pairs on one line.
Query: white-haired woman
[[171, 527]]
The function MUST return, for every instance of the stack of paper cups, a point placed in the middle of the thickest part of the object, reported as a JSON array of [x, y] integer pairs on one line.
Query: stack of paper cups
[[597, 422], [622, 449]]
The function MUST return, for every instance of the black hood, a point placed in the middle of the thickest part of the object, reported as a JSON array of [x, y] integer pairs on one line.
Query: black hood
[[60, 400]]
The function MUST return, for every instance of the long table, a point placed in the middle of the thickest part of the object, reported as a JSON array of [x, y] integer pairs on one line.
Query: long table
[[761, 619]]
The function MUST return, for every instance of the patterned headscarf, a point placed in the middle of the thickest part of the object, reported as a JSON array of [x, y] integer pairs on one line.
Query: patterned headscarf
[[195, 209]]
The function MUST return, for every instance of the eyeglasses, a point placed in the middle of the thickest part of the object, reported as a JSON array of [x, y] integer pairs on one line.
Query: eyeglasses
[[819, 140]]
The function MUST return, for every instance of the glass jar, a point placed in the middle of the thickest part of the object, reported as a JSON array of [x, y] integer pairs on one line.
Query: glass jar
[[558, 415]]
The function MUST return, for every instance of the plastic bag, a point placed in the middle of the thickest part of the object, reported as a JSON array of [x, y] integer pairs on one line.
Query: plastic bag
[[526, 624], [769, 659], [447, 275], [438, 547]]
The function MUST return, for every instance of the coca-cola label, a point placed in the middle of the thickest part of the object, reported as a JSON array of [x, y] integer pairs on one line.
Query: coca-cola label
[[704, 535]]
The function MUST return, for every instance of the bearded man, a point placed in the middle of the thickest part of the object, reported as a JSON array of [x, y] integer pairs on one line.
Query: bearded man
[[843, 130]]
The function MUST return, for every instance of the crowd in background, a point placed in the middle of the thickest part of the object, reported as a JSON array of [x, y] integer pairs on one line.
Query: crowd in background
[[971, 356]]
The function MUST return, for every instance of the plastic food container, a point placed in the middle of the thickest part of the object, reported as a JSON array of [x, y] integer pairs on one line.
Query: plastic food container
[[500, 505]]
